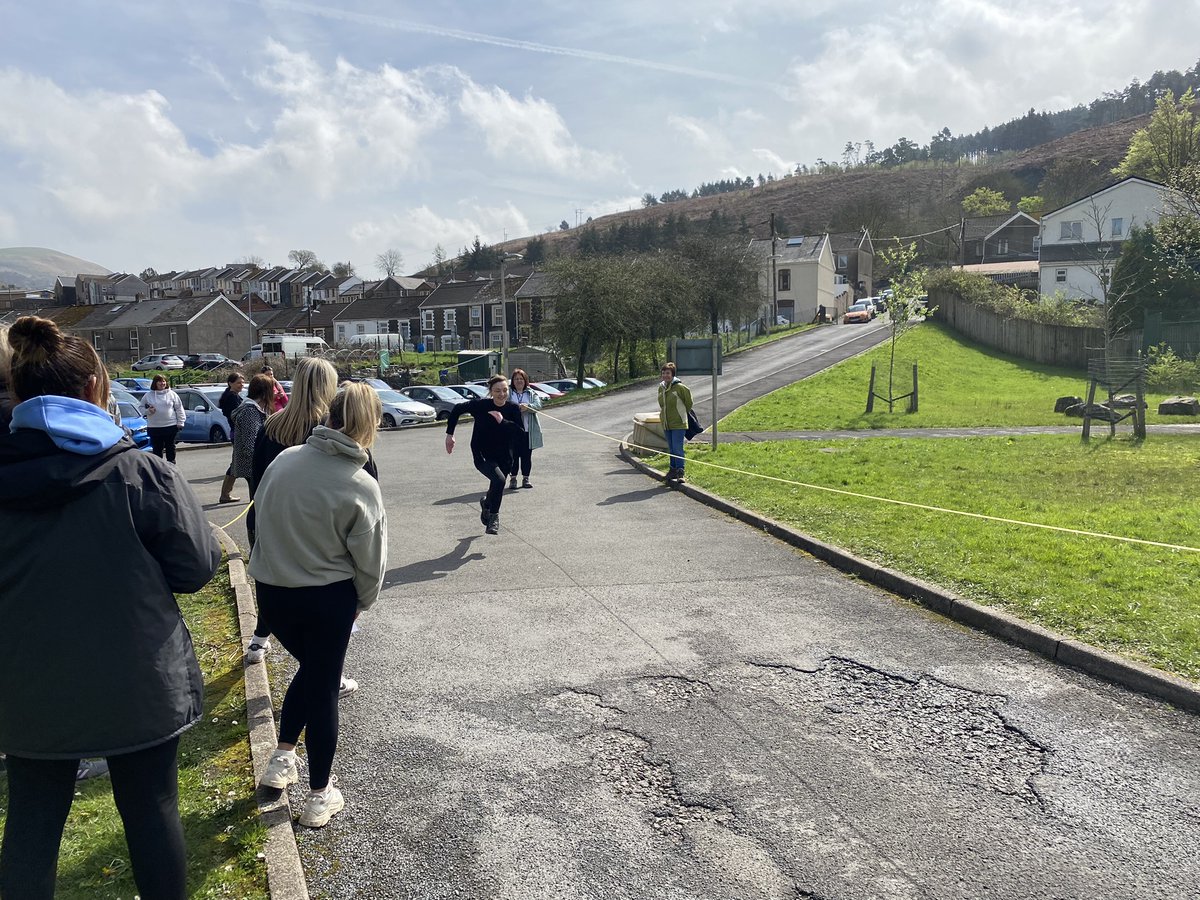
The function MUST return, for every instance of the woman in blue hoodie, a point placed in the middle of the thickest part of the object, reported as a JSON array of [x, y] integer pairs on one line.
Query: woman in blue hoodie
[[119, 679]]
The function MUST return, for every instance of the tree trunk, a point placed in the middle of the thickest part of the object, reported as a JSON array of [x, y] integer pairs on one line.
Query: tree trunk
[[632, 358], [616, 359], [583, 345]]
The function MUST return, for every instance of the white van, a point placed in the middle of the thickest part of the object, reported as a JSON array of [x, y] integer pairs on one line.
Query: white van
[[392, 342], [289, 345]]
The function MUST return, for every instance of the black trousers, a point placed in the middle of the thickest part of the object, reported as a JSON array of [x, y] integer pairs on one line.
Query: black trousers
[[522, 455], [496, 472], [162, 441], [145, 787], [313, 624]]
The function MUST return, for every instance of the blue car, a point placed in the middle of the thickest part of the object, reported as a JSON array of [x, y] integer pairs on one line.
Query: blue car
[[131, 418], [135, 386]]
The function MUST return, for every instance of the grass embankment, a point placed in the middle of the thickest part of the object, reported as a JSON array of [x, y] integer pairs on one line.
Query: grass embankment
[[961, 385], [1135, 600], [216, 783]]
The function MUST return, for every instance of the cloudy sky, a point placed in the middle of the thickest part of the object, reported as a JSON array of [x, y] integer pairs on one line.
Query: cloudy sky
[[185, 134]]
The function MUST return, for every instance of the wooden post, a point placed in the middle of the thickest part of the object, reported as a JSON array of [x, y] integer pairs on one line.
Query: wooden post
[[1139, 411], [871, 392], [1087, 407], [912, 401]]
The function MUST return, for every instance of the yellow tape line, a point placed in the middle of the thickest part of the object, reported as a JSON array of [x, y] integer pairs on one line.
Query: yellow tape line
[[239, 515], [924, 506]]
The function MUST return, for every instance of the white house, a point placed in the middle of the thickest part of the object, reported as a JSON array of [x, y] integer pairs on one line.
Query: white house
[[1081, 242], [804, 277]]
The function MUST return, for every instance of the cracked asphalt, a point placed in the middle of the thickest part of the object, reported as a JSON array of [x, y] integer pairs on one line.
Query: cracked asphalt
[[627, 695]]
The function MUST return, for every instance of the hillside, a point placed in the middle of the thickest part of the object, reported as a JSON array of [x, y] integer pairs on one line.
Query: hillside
[[906, 200], [35, 268]]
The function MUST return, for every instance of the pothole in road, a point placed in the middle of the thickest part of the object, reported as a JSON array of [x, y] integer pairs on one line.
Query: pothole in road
[[947, 731]]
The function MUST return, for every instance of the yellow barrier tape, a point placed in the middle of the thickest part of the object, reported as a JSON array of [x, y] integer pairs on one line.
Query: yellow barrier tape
[[239, 515], [938, 509]]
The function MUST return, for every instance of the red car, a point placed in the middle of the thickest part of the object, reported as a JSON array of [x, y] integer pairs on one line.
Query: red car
[[863, 311]]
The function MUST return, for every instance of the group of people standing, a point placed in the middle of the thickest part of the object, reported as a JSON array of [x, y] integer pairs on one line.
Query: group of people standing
[[76, 497]]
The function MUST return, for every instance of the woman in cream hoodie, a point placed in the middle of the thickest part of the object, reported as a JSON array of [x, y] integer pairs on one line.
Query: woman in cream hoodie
[[164, 417], [318, 562]]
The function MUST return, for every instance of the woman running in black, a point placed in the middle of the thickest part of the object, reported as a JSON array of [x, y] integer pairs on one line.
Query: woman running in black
[[497, 427]]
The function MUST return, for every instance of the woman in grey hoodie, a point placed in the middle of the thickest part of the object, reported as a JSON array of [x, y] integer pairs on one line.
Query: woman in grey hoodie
[[164, 417], [318, 562]]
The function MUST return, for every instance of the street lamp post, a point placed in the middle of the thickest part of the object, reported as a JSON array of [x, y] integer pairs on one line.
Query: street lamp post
[[504, 313]]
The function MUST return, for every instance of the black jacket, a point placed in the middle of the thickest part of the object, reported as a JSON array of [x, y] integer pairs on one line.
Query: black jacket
[[492, 439], [95, 658]]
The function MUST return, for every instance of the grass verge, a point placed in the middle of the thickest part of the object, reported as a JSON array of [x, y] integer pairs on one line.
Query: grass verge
[[962, 385], [225, 839], [1135, 600]]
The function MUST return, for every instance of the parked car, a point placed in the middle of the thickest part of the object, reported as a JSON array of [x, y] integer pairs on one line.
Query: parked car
[[863, 311], [135, 386], [566, 385], [541, 395], [879, 304], [400, 410], [157, 362], [206, 362], [205, 422], [441, 398], [548, 389], [132, 418], [596, 382], [469, 391]]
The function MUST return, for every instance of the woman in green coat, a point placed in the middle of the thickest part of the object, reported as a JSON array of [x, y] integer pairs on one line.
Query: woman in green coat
[[674, 404]]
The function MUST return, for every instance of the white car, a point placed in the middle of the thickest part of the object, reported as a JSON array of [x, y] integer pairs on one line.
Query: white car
[[400, 410], [157, 362]]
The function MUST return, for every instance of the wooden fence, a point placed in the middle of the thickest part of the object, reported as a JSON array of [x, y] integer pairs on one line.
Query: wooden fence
[[1056, 345]]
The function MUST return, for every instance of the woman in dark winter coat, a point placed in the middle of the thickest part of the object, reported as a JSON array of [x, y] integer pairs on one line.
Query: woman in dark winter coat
[[116, 675], [495, 435]]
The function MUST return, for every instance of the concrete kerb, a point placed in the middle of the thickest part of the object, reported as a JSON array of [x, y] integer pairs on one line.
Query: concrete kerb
[[1066, 651], [285, 875]]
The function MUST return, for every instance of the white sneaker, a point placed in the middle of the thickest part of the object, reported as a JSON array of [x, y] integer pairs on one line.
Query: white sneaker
[[281, 770], [319, 808], [348, 687], [258, 650]]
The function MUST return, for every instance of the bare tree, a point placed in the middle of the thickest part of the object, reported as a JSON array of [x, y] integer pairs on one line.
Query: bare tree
[[305, 259], [1098, 258], [250, 259], [389, 262]]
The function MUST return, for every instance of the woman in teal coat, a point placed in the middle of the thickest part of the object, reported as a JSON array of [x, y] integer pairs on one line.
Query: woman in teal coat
[[531, 438]]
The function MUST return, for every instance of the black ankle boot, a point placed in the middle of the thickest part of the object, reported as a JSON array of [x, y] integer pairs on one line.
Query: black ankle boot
[[484, 515], [493, 525]]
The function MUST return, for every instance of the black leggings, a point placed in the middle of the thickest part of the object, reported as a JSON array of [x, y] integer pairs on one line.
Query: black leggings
[[496, 472], [145, 787], [522, 455], [162, 441], [313, 624]]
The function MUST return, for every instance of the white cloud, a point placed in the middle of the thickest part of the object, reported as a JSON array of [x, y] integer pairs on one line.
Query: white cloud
[[691, 128], [529, 129]]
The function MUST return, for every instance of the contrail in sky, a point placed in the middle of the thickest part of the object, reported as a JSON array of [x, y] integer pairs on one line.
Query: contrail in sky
[[475, 37]]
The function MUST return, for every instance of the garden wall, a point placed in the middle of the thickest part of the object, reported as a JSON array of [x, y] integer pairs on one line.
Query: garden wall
[[1054, 345]]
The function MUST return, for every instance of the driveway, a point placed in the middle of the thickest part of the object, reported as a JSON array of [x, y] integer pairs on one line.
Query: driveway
[[627, 695]]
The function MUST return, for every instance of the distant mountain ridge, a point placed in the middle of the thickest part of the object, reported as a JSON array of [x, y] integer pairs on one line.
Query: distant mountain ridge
[[36, 268]]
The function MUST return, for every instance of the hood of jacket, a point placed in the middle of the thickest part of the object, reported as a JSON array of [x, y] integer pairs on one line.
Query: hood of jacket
[[39, 465], [332, 442]]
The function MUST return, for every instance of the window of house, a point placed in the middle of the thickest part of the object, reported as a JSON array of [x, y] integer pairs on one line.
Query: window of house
[[427, 340], [495, 339], [979, 249], [173, 342], [1070, 231], [96, 339], [1104, 275], [450, 320], [476, 316], [1002, 247], [427, 320], [843, 261], [1060, 276], [110, 337], [497, 315], [449, 341], [341, 330], [1037, 244], [1118, 226], [785, 279], [360, 328], [476, 340], [406, 329], [133, 340]]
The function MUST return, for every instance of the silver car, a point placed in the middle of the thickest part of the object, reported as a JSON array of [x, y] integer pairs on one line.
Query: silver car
[[442, 399]]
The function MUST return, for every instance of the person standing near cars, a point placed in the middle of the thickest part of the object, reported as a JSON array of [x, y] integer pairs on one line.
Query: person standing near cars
[[164, 417], [318, 563], [279, 397], [497, 421], [247, 422], [231, 399], [674, 404], [116, 673], [530, 439]]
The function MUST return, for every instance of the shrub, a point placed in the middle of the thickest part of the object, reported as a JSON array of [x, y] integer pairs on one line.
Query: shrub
[[1013, 303], [1167, 371]]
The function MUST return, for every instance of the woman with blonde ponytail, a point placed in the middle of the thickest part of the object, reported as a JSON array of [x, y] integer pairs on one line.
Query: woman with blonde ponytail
[[116, 673]]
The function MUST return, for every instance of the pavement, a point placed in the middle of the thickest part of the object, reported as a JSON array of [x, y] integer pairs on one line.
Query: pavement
[[628, 694]]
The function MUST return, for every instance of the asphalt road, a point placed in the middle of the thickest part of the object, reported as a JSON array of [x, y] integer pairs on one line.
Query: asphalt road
[[626, 695]]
